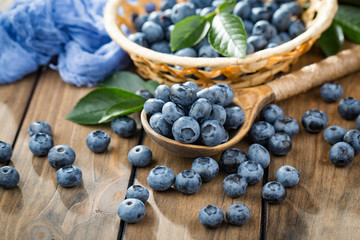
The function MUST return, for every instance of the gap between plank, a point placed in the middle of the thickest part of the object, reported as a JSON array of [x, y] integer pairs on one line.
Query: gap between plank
[[264, 207]]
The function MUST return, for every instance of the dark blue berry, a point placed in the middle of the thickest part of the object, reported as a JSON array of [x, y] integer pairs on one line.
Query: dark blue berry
[[242, 10], [235, 117], [200, 110], [162, 92], [358, 122], [257, 153], [251, 171], [192, 85], [334, 134], [349, 108], [286, 125], [208, 52], [69, 176], [131, 210], [139, 38], [280, 144], [231, 159], [270, 113], [40, 144], [296, 28], [182, 94], [186, 130], [218, 113], [161, 46], [238, 214], [139, 22], [140, 156], [206, 167], [341, 154], [281, 19], [352, 137], [160, 125], [209, 94], [293, 7], [9, 177], [211, 216], [98, 141], [161, 19], [258, 42], [186, 52], [61, 155], [150, 7], [235, 185], [5, 152], [314, 120], [273, 192], [39, 127], [153, 32], [188, 182], [144, 93], [167, 4], [213, 133], [260, 132], [153, 105], [124, 126], [138, 192], [288, 176], [161, 178], [181, 11], [172, 112], [260, 13], [331, 92]]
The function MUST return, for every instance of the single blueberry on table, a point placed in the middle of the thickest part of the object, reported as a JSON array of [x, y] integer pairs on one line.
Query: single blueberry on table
[[181, 11], [162, 92], [296, 28], [231, 159], [218, 113], [288, 176], [334, 134], [69, 176], [124, 126], [273, 192], [270, 113], [211, 216], [207, 51], [39, 127], [98, 141], [153, 32], [235, 185], [5, 152], [186, 130], [260, 132], [341, 154], [206, 167], [235, 117], [200, 110], [160, 125], [259, 154], [153, 105], [238, 214], [352, 137], [138, 192], [331, 92], [213, 133], [144, 93], [139, 38], [188, 182], [140, 156], [9, 177], [61, 156], [172, 112], [280, 144], [40, 144], [358, 122], [251, 171], [139, 21], [161, 178], [286, 125], [182, 94], [242, 10], [349, 108], [161, 46], [131, 210], [314, 120], [281, 19]]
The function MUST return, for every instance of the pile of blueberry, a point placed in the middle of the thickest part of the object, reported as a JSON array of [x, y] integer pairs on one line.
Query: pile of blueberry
[[267, 24], [189, 114]]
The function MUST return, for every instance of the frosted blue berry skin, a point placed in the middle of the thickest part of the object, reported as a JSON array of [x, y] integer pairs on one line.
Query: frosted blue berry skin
[[271, 6], [39, 127], [131, 210], [172, 112], [9, 177], [206, 167], [140, 156], [334, 134], [213, 133], [61, 155], [160, 18], [5, 152], [161, 46], [314, 120], [211, 216], [258, 42], [138, 192], [160, 125], [153, 32], [150, 7], [331, 92], [260, 13], [259, 154], [349, 108], [207, 51], [188, 182], [200, 110], [235, 185], [288, 176], [218, 113], [249, 48], [260, 132], [281, 19], [286, 125], [161, 178], [167, 4], [226, 94], [231, 159], [296, 28], [262, 28], [139, 21], [358, 122], [242, 10], [341, 154], [153, 105], [293, 7], [69, 176], [235, 117], [206, 11], [193, 86], [144, 93], [248, 26], [251, 171], [162, 92], [98, 141], [238, 214], [209, 94], [186, 52], [139, 38], [270, 113], [273, 192], [182, 94], [186, 130], [181, 11], [124, 126], [40, 144], [280, 144], [352, 137]]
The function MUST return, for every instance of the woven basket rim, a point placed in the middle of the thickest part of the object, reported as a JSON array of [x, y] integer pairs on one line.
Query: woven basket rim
[[322, 22]]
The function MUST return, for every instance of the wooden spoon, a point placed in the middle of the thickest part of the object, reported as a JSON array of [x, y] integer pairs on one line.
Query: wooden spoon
[[253, 99]]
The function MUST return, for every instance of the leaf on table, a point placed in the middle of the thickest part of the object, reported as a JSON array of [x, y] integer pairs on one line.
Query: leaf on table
[[102, 104], [348, 17], [332, 40], [189, 32], [227, 35]]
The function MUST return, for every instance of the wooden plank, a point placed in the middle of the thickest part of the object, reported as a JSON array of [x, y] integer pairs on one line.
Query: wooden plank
[[39, 208]]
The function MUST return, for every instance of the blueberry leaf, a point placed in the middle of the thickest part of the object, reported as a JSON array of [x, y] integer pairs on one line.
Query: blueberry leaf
[[189, 32], [227, 35], [103, 104], [348, 18], [332, 39]]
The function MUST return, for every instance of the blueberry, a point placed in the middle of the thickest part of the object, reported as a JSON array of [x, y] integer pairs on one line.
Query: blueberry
[[334, 134], [271, 45], [204, 42], [251, 171], [270, 113], [213, 133], [153, 32], [284, 37], [262, 28], [168, 32], [235, 185], [249, 48], [150, 7], [248, 26], [211, 216], [200, 110], [186, 52], [280, 144], [69, 176], [271, 6], [182, 94], [352, 137], [227, 94], [161, 46], [286, 125], [98, 141], [192, 85], [139, 21], [153, 105], [202, 3], [257, 153], [138, 192], [281, 19], [349, 108], [139, 38], [258, 42], [275, 40], [39, 127], [357, 122], [172, 112], [273, 192], [217, 3], [186, 130], [188, 182], [331, 92], [181, 11], [144, 93], [288, 176], [9, 177], [341, 154], [231, 159], [161, 19], [314, 120], [260, 132], [293, 7], [235, 117], [161, 178], [167, 4], [160, 125], [218, 113], [242, 10], [40, 144], [162, 92], [61, 155], [208, 93], [260, 13], [207, 51], [5, 152], [238, 214], [206, 167], [206, 11], [131, 210], [140, 156], [124, 126], [296, 28], [254, 3]]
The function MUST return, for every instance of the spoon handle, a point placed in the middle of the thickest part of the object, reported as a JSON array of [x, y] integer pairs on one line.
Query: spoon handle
[[331, 68]]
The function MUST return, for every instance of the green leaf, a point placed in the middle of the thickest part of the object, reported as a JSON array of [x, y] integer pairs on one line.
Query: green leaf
[[227, 6], [348, 17], [101, 104], [129, 81], [352, 2], [332, 39], [189, 32], [227, 35]]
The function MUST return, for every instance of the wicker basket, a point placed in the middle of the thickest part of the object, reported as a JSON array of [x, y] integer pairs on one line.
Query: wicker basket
[[255, 69]]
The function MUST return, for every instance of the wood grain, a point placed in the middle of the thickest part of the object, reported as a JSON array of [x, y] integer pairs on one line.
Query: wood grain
[[39, 208]]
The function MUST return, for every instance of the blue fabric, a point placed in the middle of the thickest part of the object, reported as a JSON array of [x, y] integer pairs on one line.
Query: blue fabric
[[34, 31]]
